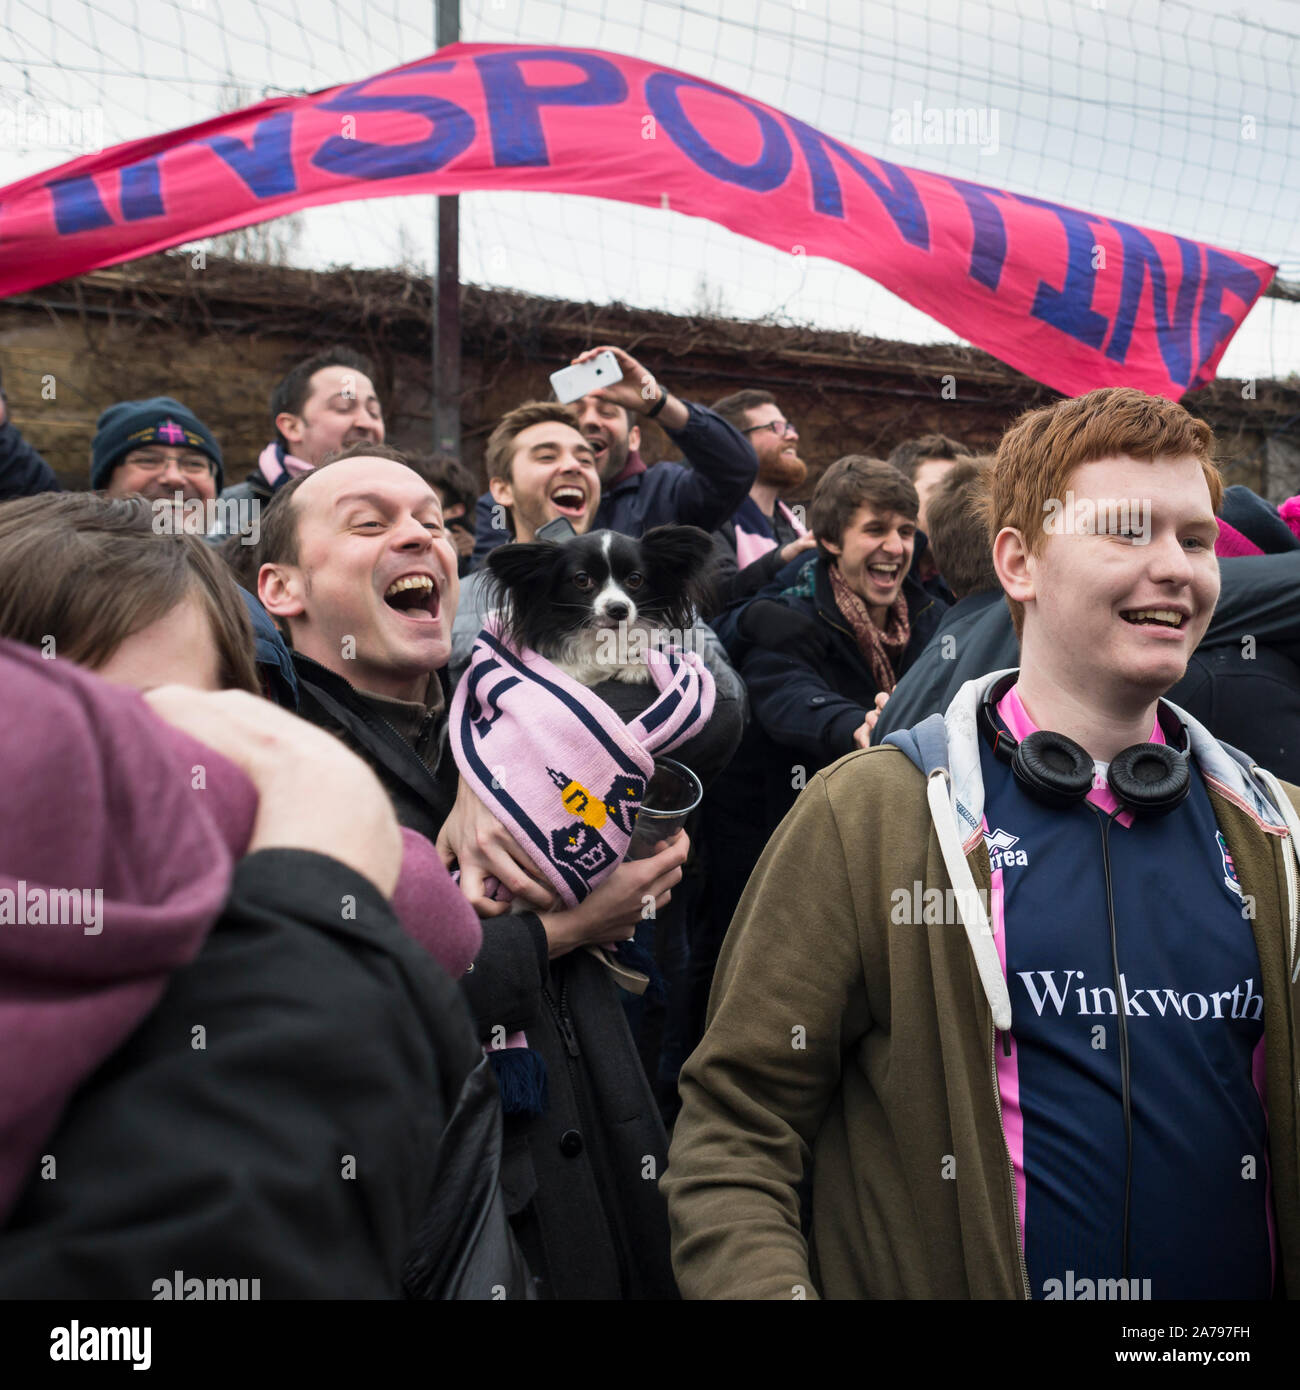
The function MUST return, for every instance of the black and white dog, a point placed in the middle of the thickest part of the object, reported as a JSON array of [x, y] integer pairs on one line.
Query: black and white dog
[[593, 605]]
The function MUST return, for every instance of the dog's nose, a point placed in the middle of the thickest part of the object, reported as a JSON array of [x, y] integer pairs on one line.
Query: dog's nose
[[617, 611]]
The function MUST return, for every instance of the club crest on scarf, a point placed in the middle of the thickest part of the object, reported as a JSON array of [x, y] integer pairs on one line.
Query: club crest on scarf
[[581, 843], [556, 765]]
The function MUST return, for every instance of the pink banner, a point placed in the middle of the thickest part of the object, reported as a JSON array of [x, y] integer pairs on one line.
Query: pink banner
[[1071, 298]]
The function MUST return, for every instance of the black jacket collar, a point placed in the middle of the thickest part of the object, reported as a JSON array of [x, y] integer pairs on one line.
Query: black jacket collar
[[339, 700]]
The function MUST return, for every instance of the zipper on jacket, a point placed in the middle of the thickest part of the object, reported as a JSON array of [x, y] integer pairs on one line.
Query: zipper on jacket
[[409, 747], [430, 776], [1126, 1098], [565, 1025], [1011, 1169]]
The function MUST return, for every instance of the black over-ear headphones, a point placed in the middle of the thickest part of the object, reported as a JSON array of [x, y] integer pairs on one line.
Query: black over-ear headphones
[[1148, 779]]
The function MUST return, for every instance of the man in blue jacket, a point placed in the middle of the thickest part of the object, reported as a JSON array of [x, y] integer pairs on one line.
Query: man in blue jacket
[[634, 498]]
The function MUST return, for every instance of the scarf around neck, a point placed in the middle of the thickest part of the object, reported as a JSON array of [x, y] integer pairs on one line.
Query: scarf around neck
[[277, 465], [556, 765], [882, 650]]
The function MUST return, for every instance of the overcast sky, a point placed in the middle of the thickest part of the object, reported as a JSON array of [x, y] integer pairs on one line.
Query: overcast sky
[[1178, 116]]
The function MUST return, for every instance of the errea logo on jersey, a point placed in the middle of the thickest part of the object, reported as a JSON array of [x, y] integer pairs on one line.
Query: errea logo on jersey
[[1001, 855]]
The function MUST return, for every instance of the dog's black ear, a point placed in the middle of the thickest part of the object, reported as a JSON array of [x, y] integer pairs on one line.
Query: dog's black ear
[[682, 549], [519, 561], [683, 555], [519, 564]]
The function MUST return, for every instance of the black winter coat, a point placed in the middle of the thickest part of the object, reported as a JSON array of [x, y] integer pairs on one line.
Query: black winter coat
[[809, 689], [809, 685], [729, 582], [580, 1182], [303, 1144], [422, 799], [969, 635]]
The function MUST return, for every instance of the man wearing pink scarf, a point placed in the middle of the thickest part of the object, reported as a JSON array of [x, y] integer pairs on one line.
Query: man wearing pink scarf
[[814, 657]]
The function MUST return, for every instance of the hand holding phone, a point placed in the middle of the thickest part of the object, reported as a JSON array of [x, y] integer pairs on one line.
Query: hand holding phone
[[572, 383]]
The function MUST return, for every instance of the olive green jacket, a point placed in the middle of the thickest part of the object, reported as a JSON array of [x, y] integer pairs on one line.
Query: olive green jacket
[[861, 1048]]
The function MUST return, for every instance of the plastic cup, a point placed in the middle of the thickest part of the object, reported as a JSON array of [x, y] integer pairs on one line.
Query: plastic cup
[[674, 792]]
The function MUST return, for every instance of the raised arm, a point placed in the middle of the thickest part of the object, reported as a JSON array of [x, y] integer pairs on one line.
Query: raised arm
[[722, 462]]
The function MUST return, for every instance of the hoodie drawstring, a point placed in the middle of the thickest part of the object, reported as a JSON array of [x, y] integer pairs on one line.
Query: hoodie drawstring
[[970, 905]]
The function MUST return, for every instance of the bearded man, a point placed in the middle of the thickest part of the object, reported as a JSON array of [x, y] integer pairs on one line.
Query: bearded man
[[763, 535]]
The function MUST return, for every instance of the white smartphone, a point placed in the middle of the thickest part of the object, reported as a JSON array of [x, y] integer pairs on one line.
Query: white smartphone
[[572, 383]]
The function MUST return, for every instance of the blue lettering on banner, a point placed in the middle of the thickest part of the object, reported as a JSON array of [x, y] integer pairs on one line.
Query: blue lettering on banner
[[452, 132], [1070, 308], [77, 205], [767, 172], [1173, 331], [514, 106], [265, 165], [989, 247], [1222, 273], [897, 193], [141, 191]]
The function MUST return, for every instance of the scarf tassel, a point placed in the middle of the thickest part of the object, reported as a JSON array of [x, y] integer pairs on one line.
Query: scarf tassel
[[521, 1078]]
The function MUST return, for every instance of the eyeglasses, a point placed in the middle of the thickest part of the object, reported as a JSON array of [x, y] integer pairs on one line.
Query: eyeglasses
[[192, 465], [780, 428]]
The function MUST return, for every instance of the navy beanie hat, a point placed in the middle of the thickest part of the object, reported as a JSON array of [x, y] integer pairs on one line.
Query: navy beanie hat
[[133, 424]]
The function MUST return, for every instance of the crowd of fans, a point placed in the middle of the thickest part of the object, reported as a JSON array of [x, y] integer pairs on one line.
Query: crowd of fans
[[338, 1030]]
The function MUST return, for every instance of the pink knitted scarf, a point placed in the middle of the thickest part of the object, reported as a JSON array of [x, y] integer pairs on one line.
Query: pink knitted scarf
[[556, 765]]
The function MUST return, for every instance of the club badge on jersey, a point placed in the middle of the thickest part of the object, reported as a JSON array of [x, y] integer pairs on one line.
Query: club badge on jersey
[[1230, 879]]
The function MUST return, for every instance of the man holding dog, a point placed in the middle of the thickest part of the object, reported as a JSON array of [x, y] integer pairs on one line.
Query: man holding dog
[[356, 566]]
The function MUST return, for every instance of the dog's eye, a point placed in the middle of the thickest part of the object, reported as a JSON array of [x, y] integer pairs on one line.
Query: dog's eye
[[634, 580], [582, 580]]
